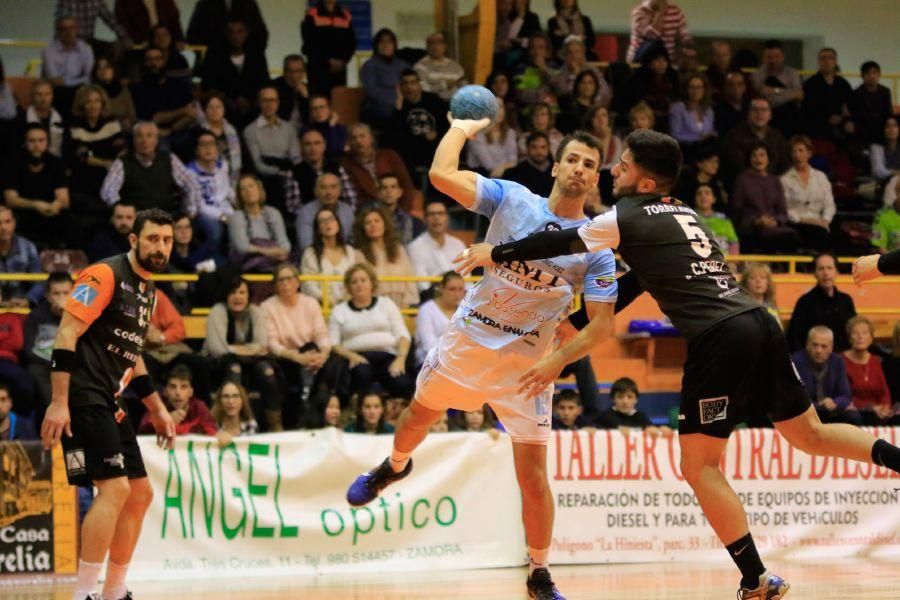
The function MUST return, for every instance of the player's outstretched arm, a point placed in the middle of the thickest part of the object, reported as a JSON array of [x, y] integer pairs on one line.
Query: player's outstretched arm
[[866, 268], [159, 414], [444, 173], [545, 244], [57, 420]]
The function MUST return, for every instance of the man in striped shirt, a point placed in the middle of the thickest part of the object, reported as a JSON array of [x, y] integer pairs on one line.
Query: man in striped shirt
[[660, 20]]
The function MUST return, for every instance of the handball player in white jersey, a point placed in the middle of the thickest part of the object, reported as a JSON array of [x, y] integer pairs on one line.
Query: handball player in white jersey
[[506, 324]]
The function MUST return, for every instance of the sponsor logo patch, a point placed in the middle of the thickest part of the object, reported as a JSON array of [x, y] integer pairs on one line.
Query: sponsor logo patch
[[75, 463], [552, 227], [85, 294], [713, 409], [605, 281], [116, 460]]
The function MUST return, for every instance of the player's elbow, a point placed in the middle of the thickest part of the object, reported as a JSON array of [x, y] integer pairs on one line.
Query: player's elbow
[[440, 178]]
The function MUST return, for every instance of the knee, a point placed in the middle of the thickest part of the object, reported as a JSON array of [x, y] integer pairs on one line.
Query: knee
[[141, 495], [115, 490], [692, 468], [533, 481]]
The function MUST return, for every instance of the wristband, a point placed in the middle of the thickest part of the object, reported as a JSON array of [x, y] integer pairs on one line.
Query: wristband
[[143, 386], [62, 360]]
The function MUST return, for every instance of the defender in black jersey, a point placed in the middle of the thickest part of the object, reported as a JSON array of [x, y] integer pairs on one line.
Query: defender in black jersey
[[97, 354], [737, 354]]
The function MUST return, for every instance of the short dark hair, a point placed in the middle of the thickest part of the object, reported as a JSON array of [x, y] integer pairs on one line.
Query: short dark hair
[[568, 396], [623, 385], [179, 373], [124, 202], [233, 285], [827, 49], [536, 135], [772, 44], [323, 96], [35, 127], [58, 277], [582, 137], [868, 66], [409, 73], [203, 133], [822, 255], [449, 276], [291, 58], [5, 388], [656, 153], [705, 151], [388, 175], [151, 215], [431, 201], [179, 216], [753, 147]]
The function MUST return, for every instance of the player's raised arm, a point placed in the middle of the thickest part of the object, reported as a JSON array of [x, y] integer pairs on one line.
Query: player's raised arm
[[444, 173]]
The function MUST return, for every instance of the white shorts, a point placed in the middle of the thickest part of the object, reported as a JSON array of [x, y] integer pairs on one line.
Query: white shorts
[[462, 374]]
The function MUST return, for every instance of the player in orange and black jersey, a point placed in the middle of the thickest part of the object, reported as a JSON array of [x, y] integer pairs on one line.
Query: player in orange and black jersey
[[97, 354]]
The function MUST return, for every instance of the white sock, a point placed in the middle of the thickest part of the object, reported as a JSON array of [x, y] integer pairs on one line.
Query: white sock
[[540, 559], [114, 586], [399, 460], [88, 574]]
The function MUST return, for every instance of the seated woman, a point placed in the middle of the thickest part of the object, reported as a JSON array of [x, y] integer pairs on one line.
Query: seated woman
[[370, 416], [597, 122], [120, 104], [238, 343], [704, 171], [324, 411], [328, 255], [641, 116], [434, 316], [540, 119], [495, 149], [480, 419], [368, 331], [655, 82], [212, 118], [758, 281], [232, 412], [807, 194], [871, 396], [692, 120], [258, 238], [759, 209], [377, 240], [573, 108], [885, 157], [721, 226], [499, 84], [380, 76]]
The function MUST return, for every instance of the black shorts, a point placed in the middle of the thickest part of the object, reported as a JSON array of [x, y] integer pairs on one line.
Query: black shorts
[[100, 448], [738, 370]]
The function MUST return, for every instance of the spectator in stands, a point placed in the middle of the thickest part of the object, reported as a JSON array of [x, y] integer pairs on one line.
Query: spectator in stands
[[211, 17], [758, 281], [532, 77], [9, 109], [495, 149], [17, 255], [85, 13], [370, 416], [703, 171], [624, 415], [379, 242], [654, 82], [567, 23], [293, 91], [719, 67], [36, 187], [442, 425], [573, 108], [327, 195], [885, 157], [211, 176], [189, 255], [826, 101], [233, 414], [14, 426], [693, 120], [141, 17], [719, 225], [737, 144], [325, 121], [256, 231], [325, 412], [535, 171], [213, 120], [891, 189], [730, 109], [364, 163], [871, 396], [515, 25], [329, 254], [66, 62], [439, 73], [329, 43], [165, 101], [871, 104], [164, 339], [886, 227], [824, 377], [781, 86], [298, 339], [119, 105], [300, 190], [149, 177], [808, 197], [759, 207], [368, 331], [499, 84], [540, 120], [237, 340], [434, 315], [161, 38], [40, 334], [432, 252], [393, 408], [42, 113], [597, 123], [418, 123], [236, 69], [113, 239], [653, 21], [380, 76], [406, 226], [12, 373], [822, 305], [565, 80], [891, 364], [480, 419], [191, 415], [567, 411], [273, 146]]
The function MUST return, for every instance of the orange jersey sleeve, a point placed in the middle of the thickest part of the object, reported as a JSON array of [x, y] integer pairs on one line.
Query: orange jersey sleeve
[[92, 293]]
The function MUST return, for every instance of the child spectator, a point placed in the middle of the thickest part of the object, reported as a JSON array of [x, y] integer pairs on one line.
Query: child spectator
[[442, 425], [393, 407], [624, 414], [480, 419], [370, 416], [886, 228], [13, 426], [325, 411], [232, 412], [40, 335], [567, 410], [190, 414], [721, 226]]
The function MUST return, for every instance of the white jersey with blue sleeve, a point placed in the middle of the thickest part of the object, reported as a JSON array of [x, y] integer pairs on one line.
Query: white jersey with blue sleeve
[[517, 305]]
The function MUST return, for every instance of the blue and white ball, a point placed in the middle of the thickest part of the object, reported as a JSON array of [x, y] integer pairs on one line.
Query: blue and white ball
[[473, 102]]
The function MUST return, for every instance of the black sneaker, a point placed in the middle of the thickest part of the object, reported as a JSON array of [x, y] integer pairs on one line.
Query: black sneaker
[[541, 587], [368, 485]]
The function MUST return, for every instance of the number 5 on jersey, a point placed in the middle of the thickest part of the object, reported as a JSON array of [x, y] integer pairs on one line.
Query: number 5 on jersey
[[699, 241]]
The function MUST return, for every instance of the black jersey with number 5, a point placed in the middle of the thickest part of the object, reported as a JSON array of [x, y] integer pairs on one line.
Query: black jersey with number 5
[[675, 260]]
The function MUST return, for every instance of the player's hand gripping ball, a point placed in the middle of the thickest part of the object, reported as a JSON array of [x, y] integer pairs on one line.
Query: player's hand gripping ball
[[473, 102]]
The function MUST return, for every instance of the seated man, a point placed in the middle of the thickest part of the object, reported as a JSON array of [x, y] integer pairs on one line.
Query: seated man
[[328, 195], [826, 101], [149, 177], [325, 121], [37, 189], [40, 334], [824, 304], [66, 62], [439, 73], [42, 112], [432, 252], [825, 378], [13, 425], [273, 146], [300, 189], [293, 91], [113, 239], [365, 163], [163, 100], [781, 86], [737, 144], [407, 226], [419, 121], [536, 171], [191, 414], [731, 107], [17, 255], [870, 105]]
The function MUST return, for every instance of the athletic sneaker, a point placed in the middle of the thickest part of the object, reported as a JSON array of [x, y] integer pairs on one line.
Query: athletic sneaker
[[368, 485], [771, 587], [541, 587]]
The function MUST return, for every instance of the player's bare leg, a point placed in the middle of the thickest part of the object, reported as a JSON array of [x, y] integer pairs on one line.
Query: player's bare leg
[[128, 529], [97, 532]]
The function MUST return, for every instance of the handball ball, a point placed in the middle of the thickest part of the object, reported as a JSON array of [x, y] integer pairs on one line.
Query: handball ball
[[473, 102]]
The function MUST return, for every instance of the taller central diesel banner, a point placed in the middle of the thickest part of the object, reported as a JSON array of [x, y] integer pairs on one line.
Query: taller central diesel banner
[[274, 504]]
